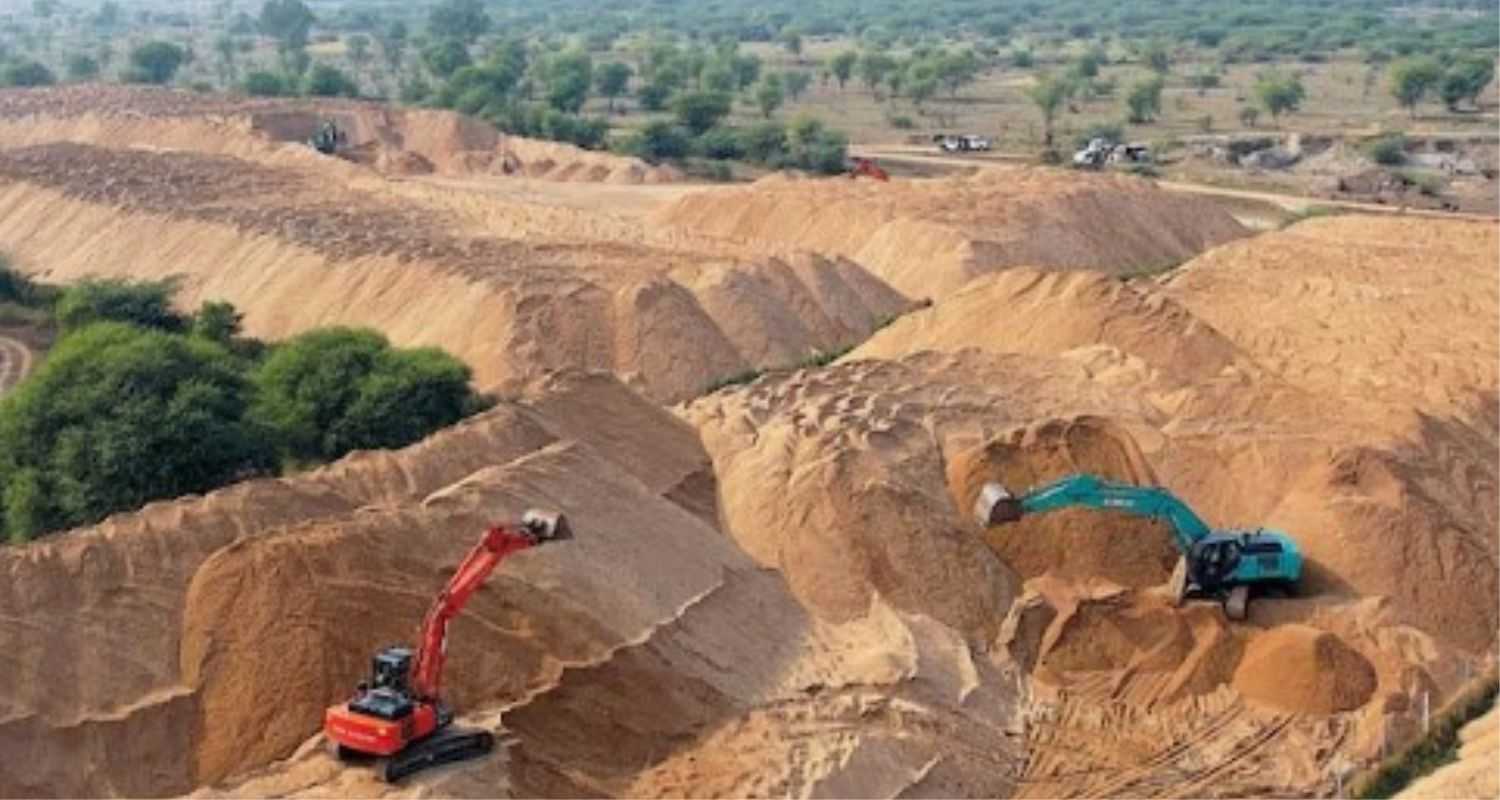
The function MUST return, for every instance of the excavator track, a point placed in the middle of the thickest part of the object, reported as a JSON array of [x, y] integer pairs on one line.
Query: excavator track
[[444, 747]]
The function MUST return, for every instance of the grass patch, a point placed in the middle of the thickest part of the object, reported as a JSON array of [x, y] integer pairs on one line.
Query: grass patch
[[737, 379], [1311, 212], [1142, 271], [1438, 747]]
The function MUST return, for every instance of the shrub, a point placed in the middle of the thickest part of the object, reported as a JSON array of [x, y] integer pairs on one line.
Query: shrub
[[1389, 150], [327, 392], [327, 81], [146, 304], [902, 122], [265, 84], [117, 416], [155, 62], [660, 140], [721, 143], [26, 73]]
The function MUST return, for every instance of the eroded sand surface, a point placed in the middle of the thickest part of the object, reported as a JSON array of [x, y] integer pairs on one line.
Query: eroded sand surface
[[775, 588]]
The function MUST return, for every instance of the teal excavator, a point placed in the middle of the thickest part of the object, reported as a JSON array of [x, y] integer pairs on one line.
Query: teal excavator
[[1223, 565]]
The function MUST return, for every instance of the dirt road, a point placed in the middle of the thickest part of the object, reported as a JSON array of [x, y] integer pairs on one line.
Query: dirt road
[[15, 362], [1290, 203]]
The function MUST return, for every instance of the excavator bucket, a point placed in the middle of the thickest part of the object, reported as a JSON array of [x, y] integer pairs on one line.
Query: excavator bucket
[[547, 526], [996, 506]]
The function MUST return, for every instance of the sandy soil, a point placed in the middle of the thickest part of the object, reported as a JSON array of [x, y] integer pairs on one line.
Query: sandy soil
[[776, 588], [927, 238]]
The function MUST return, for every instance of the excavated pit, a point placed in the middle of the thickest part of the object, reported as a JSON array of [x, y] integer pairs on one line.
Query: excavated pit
[[776, 589]]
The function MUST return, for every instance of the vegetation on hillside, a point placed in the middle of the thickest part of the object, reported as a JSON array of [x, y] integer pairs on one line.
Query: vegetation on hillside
[[656, 78], [139, 402]]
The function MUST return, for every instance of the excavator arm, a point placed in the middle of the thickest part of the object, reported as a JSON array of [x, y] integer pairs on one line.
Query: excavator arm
[[996, 505], [499, 542]]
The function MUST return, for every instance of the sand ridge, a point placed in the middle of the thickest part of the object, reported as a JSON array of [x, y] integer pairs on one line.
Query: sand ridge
[[928, 238]]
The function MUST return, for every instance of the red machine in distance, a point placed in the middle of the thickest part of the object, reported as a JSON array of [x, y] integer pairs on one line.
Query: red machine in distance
[[399, 715], [867, 168]]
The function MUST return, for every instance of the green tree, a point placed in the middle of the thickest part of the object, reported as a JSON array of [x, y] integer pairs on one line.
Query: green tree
[[842, 66], [82, 67], [464, 20], [261, 83], [1144, 100], [155, 62], [1023, 59], [288, 22], [659, 140], [1048, 94], [569, 76], [719, 76], [921, 89], [118, 416], [957, 70], [873, 67], [446, 57], [1248, 115], [653, 96], [217, 322], [791, 39], [699, 111], [1466, 79], [330, 391], [330, 81], [1412, 78], [26, 73], [145, 304], [769, 95], [1279, 94], [612, 80], [746, 70], [796, 82]]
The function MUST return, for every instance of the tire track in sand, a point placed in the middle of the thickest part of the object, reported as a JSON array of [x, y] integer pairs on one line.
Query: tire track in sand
[[15, 362]]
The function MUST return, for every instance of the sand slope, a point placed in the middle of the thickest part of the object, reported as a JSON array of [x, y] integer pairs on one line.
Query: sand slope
[[928, 238], [294, 253], [390, 139], [624, 658]]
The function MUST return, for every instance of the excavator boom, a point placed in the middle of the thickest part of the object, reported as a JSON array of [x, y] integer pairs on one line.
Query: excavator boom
[[1215, 562]]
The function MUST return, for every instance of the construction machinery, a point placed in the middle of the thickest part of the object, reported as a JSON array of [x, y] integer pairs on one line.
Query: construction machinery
[[399, 715], [328, 138], [1223, 565], [1100, 152], [867, 168]]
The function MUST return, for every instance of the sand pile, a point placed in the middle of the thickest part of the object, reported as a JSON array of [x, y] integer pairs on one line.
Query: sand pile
[[928, 238], [625, 659], [1304, 669], [391, 139], [294, 252], [1076, 543]]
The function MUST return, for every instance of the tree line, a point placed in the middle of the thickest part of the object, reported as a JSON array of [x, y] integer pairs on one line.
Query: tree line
[[139, 402]]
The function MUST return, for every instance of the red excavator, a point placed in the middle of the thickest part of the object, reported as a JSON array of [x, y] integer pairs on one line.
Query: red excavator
[[398, 715], [867, 168]]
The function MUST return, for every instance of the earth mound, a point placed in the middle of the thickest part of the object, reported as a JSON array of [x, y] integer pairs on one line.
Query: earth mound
[[1303, 669], [928, 238], [552, 290], [393, 140]]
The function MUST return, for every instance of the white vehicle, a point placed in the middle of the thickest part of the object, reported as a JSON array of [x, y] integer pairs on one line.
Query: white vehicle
[[965, 143]]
